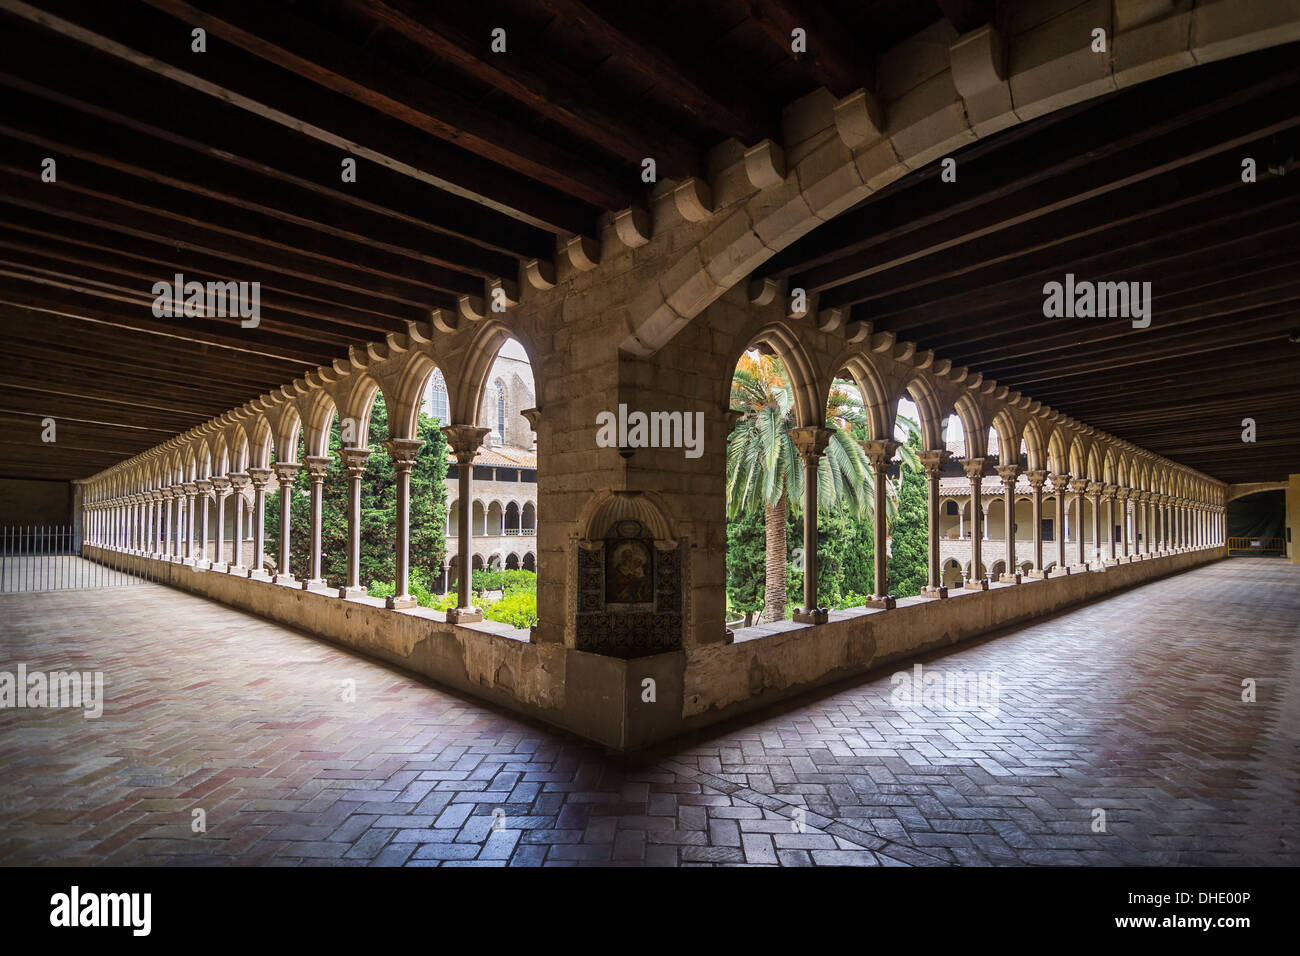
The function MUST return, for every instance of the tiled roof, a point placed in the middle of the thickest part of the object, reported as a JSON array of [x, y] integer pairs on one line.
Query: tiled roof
[[506, 457]]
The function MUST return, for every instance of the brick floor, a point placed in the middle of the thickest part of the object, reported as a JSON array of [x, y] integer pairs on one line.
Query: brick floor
[[1131, 706]]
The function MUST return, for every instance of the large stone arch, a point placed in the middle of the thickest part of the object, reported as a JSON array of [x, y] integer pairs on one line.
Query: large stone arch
[[808, 387], [936, 92]]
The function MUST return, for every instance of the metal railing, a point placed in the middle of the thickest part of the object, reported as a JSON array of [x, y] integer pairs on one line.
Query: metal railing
[[1257, 545], [48, 558]]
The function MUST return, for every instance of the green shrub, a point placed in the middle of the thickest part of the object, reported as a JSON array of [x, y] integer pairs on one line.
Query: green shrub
[[492, 579], [518, 609]]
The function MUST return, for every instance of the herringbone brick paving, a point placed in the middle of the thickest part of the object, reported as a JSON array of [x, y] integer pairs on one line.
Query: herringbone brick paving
[[1131, 705]]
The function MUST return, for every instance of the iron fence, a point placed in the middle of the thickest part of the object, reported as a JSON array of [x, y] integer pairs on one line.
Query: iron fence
[[48, 558]]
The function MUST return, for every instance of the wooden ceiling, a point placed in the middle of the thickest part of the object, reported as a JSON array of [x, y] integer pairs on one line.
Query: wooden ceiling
[[211, 164], [470, 162], [1142, 186]]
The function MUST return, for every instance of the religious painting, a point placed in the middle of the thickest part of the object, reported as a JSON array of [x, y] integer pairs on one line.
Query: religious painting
[[629, 571]]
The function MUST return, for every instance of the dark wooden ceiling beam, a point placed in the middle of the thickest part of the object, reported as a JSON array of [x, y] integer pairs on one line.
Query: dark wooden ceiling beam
[[240, 79], [544, 85], [627, 32], [66, 74], [296, 44], [829, 59], [251, 256]]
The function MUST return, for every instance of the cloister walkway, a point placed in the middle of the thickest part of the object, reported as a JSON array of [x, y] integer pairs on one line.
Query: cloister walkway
[[1131, 705]]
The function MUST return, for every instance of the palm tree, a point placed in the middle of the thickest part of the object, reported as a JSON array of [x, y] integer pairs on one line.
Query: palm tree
[[763, 466], [764, 470]]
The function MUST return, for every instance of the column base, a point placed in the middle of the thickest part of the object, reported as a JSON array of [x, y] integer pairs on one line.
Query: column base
[[256, 574], [1079, 569], [356, 592], [464, 615], [237, 569], [886, 603], [936, 593], [219, 567], [1110, 562], [1009, 578], [1036, 574], [972, 585], [811, 615], [310, 583], [285, 579], [398, 602]]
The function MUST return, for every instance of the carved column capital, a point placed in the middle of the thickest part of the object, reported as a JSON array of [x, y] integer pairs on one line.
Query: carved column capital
[[464, 441], [318, 466], [810, 441], [286, 471], [880, 451], [1108, 492], [932, 461], [1037, 479], [1094, 489], [1008, 474], [974, 467], [1079, 486], [403, 451], [239, 480], [532, 415], [354, 460], [259, 478], [1060, 482], [221, 485]]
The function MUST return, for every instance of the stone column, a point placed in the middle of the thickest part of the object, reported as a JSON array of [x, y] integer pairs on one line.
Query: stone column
[[239, 481], [1094, 491], [811, 441], [1036, 481], [178, 526], [1060, 485], [1079, 487], [354, 462], [1108, 493], [1009, 474], [205, 494], [974, 468], [879, 454], [1122, 496], [165, 525], [932, 461], [463, 441], [285, 472], [261, 479], [402, 451], [221, 488], [191, 496], [317, 467], [157, 538]]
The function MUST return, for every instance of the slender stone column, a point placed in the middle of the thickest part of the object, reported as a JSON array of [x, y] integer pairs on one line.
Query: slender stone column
[[1079, 487], [354, 462], [810, 441], [261, 479], [879, 453], [1009, 474], [317, 468], [285, 472], [402, 451], [1108, 493], [221, 487], [1094, 492], [239, 481], [974, 468], [191, 496], [206, 494], [1060, 486], [463, 442], [1036, 481], [932, 461], [178, 523], [1162, 517], [156, 536], [1122, 496]]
